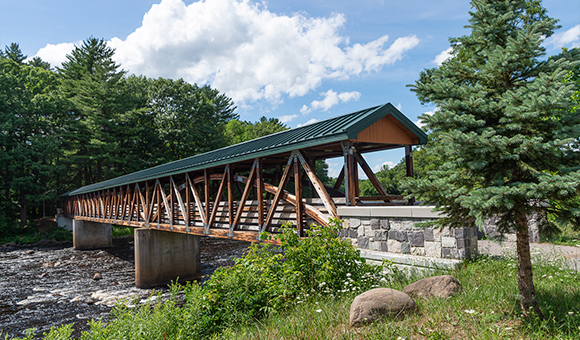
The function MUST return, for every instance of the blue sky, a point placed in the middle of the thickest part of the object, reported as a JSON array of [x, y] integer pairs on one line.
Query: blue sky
[[300, 61]]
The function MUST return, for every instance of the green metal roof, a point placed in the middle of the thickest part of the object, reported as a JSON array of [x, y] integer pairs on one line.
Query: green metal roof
[[327, 131]]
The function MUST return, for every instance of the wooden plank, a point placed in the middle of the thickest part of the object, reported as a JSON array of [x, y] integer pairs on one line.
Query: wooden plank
[[278, 194], [339, 179], [217, 199], [197, 200], [311, 211], [326, 199], [298, 194], [260, 191], [179, 200], [245, 195], [231, 212], [370, 174], [206, 192], [187, 202], [165, 203]]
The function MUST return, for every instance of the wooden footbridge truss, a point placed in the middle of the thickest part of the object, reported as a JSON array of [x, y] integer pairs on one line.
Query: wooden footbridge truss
[[252, 187]]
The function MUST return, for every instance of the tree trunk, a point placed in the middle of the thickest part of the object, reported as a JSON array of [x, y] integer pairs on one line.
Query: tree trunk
[[528, 299]]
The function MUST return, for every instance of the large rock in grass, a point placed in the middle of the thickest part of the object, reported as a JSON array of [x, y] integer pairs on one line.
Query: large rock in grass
[[378, 303], [443, 286]]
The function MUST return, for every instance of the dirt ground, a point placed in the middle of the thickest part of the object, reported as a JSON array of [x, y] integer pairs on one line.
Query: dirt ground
[[51, 285]]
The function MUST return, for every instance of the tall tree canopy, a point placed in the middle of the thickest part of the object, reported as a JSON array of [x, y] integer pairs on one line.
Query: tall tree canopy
[[505, 128]]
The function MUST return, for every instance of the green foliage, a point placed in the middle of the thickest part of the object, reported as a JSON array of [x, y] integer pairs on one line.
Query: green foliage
[[504, 126], [237, 131], [266, 281]]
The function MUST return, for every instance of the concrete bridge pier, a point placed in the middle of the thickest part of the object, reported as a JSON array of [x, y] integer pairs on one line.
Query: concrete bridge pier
[[91, 235], [162, 256]]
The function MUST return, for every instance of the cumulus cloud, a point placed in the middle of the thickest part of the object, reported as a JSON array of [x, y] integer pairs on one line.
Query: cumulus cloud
[[331, 98], [313, 120], [305, 110], [56, 54], [287, 118], [389, 165], [400, 107], [569, 38], [248, 52], [441, 57]]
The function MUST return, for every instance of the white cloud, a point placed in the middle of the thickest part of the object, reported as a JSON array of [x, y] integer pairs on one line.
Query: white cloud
[[56, 54], [287, 118], [313, 120], [441, 57], [248, 52], [331, 98], [569, 38], [420, 122], [389, 164], [305, 110], [400, 107]]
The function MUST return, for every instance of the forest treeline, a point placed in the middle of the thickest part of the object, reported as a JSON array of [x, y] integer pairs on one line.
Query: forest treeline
[[89, 121]]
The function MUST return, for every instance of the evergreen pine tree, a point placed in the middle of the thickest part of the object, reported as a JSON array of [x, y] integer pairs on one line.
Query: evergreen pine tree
[[505, 128]]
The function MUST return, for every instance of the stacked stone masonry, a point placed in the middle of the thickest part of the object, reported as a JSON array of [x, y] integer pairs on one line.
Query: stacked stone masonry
[[402, 235]]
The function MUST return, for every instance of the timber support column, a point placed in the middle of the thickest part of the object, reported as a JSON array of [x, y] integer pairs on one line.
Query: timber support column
[[162, 256], [91, 235]]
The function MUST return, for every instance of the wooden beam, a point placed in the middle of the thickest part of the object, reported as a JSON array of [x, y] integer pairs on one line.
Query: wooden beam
[[277, 196], [260, 192], [370, 174], [197, 199], [339, 179], [206, 192], [298, 194], [245, 196], [176, 193], [231, 211], [217, 199], [324, 196]]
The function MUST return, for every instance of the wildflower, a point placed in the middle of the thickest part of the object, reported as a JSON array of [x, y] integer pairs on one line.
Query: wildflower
[[347, 274], [469, 311], [570, 312], [318, 310]]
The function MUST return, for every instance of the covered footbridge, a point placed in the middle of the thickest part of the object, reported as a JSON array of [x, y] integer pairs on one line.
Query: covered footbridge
[[242, 190]]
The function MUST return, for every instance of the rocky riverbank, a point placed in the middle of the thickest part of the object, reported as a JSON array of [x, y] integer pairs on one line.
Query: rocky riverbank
[[51, 284]]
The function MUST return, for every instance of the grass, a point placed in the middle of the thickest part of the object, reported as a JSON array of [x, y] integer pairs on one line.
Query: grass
[[121, 231], [487, 308]]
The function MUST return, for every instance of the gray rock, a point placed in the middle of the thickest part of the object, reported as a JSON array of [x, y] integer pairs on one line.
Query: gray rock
[[354, 222], [384, 246], [428, 235], [385, 224], [352, 233], [363, 242], [378, 303], [459, 233], [375, 223], [443, 286], [416, 239], [381, 235], [405, 249]]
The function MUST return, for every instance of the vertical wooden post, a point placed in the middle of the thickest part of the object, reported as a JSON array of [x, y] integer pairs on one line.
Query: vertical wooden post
[[298, 193], [260, 192], [409, 167], [206, 193], [350, 171], [409, 160], [147, 202], [171, 201], [159, 188], [187, 202], [231, 211]]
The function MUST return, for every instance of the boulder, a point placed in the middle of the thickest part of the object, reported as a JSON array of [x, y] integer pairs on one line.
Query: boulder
[[443, 286], [378, 303], [97, 276]]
